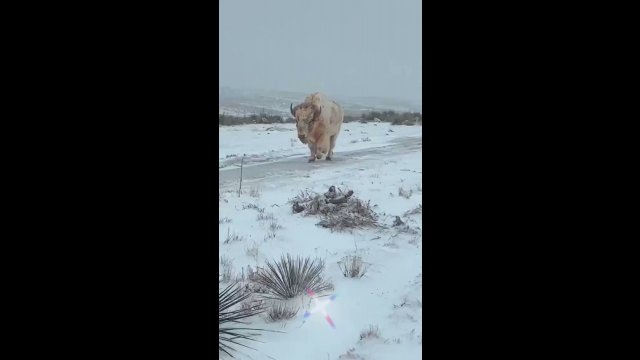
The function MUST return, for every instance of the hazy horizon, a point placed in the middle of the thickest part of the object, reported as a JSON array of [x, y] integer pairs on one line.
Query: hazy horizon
[[349, 48]]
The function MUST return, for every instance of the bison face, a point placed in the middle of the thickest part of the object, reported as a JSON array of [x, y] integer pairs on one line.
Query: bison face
[[305, 116]]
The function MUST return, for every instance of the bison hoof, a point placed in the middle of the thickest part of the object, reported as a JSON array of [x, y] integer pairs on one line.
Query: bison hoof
[[329, 158], [318, 156], [312, 159]]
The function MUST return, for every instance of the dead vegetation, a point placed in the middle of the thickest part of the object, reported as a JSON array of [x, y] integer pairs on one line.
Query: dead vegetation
[[232, 237], [272, 227], [352, 266], [255, 192], [227, 269], [414, 240], [350, 355], [405, 193], [253, 251], [401, 227], [251, 305], [371, 333], [262, 216], [252, 206], [279, 311], [269, 236], [406, 302], [417, 210], [338, 210]]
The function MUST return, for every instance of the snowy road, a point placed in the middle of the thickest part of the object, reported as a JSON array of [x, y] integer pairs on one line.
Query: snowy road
[[298, 165]]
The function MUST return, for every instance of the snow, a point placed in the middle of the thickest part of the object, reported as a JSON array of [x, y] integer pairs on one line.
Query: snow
[[266, 142], [389, 296]]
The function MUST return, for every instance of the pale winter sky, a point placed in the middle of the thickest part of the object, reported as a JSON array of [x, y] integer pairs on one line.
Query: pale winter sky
[[340, 47]]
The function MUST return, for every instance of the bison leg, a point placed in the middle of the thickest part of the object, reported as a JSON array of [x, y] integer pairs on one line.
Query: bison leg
[[323, 147], [332, 144], [312, 149]]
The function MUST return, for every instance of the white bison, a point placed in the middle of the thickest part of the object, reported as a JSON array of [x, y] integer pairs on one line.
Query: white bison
[[318, 120]]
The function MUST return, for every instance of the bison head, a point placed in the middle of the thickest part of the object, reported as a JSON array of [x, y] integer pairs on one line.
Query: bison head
[[305, 115]]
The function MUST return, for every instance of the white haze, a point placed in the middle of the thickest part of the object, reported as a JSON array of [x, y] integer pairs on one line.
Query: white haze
[[360, 48]]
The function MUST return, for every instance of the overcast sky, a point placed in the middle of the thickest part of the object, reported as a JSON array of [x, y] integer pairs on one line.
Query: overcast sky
[[341, 47]]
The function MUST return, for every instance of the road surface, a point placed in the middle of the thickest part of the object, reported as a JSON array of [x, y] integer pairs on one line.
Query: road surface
[[298, 165]]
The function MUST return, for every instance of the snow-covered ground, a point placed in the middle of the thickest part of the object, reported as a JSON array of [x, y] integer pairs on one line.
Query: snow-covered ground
[[389, 296], [268, 142]]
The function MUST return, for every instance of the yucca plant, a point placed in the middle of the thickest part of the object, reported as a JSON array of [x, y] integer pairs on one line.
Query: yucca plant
[[291, 277], [231, 296]]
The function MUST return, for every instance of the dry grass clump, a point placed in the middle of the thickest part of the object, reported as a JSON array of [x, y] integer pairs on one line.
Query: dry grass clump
[[417, 210], [252, 206], [232, 237], [255, 192], [405, 193], [281, 311], [401, 227], [352, 266], [350, 355], [263, 216], [371, 333], [227, 269], [253, 251], [337, 209]]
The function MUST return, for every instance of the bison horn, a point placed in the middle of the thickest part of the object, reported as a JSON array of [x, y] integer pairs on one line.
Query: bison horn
[[291, 108]]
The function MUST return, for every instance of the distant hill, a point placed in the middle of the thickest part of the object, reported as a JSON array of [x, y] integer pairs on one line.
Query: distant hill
[[244, 102]]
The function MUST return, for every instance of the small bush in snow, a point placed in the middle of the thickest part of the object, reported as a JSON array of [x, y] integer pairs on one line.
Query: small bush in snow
[[281, 311], [252, 251], [224, 220], [227, 269], [352, 267], [404, 193], [254, 192], [350, 355], [290, 277], [251, 304], [262, 216], [270, 236], [252, 206], [417, 210], [232, 237], [274, 226], [371, 333]]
